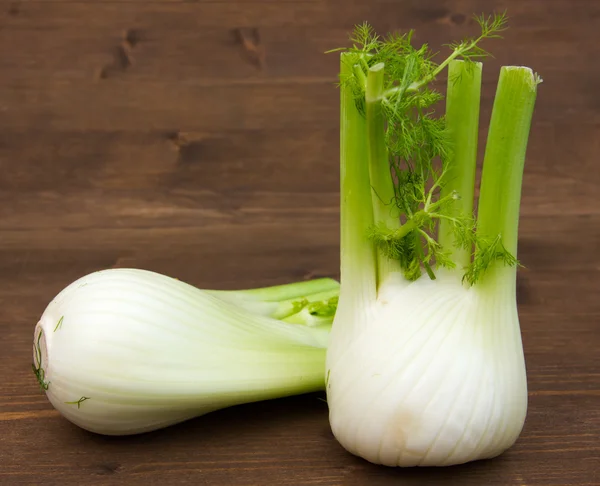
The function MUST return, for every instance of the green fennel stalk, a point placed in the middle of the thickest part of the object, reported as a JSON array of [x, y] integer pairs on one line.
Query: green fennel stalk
[[462, 122], [382, 193], [501, 179]]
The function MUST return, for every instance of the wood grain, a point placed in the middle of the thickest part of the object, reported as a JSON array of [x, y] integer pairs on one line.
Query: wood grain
[[199, 139]]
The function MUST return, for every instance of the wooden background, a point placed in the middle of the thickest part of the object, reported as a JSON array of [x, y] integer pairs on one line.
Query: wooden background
[[200, 139]]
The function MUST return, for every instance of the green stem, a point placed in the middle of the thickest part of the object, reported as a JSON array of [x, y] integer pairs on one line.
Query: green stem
[[382, 188], [462, 122], [502, 176], [305, 318], [416, 85], [450, 59], [428, 79], [404, 229], [358, 261], [289, 307]]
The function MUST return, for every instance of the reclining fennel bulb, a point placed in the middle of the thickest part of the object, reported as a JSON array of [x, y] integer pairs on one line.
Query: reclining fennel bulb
[[126, 351]]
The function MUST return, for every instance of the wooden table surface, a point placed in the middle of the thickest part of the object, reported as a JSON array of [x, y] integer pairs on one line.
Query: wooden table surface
[[200, 139]]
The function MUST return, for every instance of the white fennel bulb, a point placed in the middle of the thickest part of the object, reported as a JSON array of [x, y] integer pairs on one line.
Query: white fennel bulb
[[425, 365], [127, 351], [432, 373]]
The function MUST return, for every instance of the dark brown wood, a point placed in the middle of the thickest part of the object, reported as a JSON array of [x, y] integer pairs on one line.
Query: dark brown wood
[[199, 139]]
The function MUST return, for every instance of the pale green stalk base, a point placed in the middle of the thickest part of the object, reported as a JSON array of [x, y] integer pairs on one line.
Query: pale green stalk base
[[358, 258], [280, 301], [279, 293]]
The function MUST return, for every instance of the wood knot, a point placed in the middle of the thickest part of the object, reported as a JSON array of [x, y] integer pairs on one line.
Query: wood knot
[[131, 38], [190, 147], [122, 55], [253, 49], [109, 468], [179, 139]]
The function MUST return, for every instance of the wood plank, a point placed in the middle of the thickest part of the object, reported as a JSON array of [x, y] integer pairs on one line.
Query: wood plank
[[215, 55], [234, 162], [121, 75], [565, 454], [123, 104], [305, 12], [220, 162], [259, 254]]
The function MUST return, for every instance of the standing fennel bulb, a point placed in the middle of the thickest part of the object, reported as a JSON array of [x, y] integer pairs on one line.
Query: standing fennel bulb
[[127, 351], [425, 365]]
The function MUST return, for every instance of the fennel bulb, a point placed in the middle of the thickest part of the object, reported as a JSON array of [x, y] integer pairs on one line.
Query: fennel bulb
[[425, 365], [127, 351], [431, 375]]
